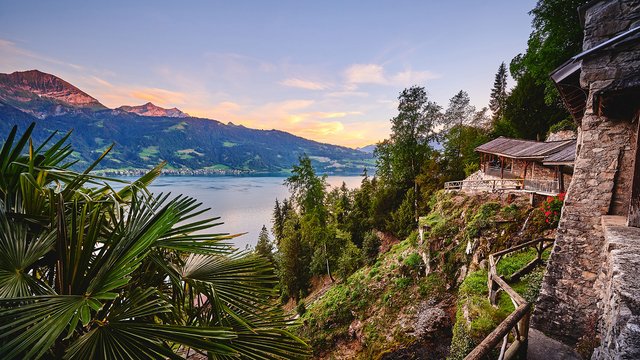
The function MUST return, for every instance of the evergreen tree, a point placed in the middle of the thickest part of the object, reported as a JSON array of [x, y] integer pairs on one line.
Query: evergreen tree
[[264, 247], [293, 260], [499, 93], [459, 114]]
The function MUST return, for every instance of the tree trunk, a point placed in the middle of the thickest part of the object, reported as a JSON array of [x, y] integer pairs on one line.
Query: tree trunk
[[326, 258]]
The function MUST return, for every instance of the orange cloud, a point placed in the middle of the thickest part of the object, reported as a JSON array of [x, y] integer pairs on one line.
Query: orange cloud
[[294, 116], [159, 97]]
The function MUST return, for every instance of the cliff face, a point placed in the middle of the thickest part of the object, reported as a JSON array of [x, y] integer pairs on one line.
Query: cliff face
[[404, 305]]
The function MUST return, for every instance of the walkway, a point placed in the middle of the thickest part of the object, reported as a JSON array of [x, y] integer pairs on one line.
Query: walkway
[[542, 347]]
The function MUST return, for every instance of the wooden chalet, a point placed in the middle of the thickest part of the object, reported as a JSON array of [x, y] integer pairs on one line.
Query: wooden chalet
[[540, 165]]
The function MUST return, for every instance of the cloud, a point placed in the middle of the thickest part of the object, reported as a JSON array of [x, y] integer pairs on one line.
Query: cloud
[[101, 81], [9, 49], [375, 74], [160, 97], [303, 84], [409, 77], [365, 74], [296, 116], [347, 93], [334, 115]]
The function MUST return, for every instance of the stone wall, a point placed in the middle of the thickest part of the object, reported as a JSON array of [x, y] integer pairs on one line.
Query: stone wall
[[619, 326], [570, 293]]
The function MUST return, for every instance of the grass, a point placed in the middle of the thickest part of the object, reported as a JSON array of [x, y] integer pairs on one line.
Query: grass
[[179, 126], [148, 152]]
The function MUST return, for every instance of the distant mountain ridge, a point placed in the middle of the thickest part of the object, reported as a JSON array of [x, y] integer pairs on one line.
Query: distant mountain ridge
[[149, 109], [369, 149], [148, 134]]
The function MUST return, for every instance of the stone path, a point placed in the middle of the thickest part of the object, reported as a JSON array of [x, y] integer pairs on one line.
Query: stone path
[[542, 347]]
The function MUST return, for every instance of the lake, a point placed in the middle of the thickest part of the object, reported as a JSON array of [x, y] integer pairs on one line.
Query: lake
[[243, 203]]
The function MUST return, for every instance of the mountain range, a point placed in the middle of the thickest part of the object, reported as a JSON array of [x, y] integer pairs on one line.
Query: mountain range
[[148, 134]]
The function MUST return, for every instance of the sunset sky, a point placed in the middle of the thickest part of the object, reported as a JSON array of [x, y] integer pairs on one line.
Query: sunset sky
[[325, 70]]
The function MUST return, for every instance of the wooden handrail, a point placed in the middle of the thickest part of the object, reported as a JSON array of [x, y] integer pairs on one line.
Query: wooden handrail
[[521, 246], [518, 320], [484, 348]]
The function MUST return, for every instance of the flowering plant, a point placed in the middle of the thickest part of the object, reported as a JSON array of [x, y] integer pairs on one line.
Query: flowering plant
[[552, 208]]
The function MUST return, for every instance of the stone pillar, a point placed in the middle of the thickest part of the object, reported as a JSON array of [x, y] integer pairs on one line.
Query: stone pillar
[[568, 301]]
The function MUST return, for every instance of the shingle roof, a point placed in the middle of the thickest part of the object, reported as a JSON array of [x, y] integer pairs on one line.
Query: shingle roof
[[523, 149], [565, 156]]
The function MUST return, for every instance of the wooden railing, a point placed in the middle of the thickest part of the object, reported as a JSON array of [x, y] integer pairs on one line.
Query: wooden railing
[[498, 184], [518, 321], [544, 186]]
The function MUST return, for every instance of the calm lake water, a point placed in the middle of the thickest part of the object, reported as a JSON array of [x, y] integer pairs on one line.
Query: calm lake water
[[243, 203]]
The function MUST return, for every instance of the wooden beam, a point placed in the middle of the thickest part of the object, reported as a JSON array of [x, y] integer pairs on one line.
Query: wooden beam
[[525, 270], [506, 288], [522, 246], [490, 342]]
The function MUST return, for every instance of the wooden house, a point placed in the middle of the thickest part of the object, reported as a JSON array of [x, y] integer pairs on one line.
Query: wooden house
[[545, 166]]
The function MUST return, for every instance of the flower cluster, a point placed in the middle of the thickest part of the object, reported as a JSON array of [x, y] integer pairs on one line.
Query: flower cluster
[[552, 208]]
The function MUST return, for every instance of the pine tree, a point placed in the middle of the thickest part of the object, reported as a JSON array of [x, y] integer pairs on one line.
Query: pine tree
[[499, 93], [264, 246]]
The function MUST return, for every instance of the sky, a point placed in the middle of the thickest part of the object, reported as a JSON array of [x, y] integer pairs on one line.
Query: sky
[[330, 71]]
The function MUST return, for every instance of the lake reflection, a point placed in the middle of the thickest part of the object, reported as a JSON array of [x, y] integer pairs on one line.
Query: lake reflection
[[243, 203]]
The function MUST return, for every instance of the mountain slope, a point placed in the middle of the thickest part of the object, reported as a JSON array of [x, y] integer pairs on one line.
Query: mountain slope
[[186, 143], [43, 95]]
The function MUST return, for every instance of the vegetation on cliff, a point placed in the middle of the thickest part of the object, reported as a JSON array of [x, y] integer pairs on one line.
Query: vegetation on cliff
[[393, 307]]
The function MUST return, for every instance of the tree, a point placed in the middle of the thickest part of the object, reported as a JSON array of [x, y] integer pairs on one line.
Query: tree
[[293, 260], [263, 246], [90, 272], [458, 115], [557, 35], [526, 112], [499, 93], [401, 157], [308, 191]]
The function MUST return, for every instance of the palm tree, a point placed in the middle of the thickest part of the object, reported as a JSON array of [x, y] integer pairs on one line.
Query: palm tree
[[90, 272]]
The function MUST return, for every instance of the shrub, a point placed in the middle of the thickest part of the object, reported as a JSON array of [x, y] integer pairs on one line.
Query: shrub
[[403, 282], [563, 125], [414, 260], [481, 219], [370, 247], [413, 238], [552, 209], [301, 309], [349, 261]]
